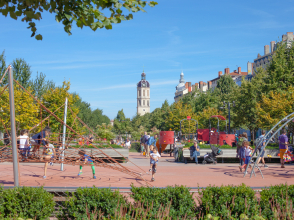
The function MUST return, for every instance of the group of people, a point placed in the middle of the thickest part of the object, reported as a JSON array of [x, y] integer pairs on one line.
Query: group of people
[[244, 151], [30, 147], [86, 140], [146, 141], [148, 146]]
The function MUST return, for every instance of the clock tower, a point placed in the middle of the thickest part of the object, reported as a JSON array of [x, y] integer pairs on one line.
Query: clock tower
[[143, 96]]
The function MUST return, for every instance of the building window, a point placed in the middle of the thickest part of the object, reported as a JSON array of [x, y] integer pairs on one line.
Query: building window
[[144, 110], [147, 93], [139, 102], [143, 92], [143, 102], [139, 92], [147, 102]]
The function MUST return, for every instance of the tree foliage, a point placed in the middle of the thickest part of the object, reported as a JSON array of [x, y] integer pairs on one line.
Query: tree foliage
[[93, 13], [280, 72], [274, 107], [26, 110]]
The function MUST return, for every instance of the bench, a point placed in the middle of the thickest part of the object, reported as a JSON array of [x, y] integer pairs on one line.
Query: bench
[[227, 153]]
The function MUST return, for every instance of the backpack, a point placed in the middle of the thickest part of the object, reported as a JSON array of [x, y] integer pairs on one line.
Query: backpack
[[240, 142]]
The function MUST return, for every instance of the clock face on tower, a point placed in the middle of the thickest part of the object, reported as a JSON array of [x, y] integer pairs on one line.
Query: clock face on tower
[[143, 84]]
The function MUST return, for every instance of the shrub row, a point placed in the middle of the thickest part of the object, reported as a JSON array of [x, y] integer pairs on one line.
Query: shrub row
[[226, 202]]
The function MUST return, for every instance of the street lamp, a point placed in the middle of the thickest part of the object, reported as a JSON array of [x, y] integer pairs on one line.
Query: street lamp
[[229, 109]]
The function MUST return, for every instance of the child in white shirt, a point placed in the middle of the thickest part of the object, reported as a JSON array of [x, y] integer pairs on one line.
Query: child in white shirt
[[24, 144], [154, 161]]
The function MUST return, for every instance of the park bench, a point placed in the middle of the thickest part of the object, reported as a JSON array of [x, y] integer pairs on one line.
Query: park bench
[[227, 153]]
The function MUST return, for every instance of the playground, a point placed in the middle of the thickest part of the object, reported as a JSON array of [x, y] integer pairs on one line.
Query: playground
[[118, 167], [169, 174]]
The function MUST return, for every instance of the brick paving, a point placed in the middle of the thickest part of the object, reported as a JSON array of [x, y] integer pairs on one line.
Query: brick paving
[[168, 173]]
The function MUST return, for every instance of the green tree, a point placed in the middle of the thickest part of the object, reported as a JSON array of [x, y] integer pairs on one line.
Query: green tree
[[179, 112], [82, 13], [104, 131], [206, 100], [22, 72], [281, 69], [275, 106], [204, 116], [225, 88], [2, 63], [247, 97], [40, 85], [121, 124]]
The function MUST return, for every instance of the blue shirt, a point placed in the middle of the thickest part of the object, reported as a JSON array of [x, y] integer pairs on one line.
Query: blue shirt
[[88, 157], [151, 141], [263, 140], [38, 138]]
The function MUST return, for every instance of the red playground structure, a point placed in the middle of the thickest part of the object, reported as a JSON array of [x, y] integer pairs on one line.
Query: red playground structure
[[214, 136]]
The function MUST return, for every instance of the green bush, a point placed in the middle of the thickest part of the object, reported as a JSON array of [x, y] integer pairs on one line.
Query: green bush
[[277, 200], [91, 201], [135, 147], [26, 202], [228, 201], [179, 200], [1, 143]]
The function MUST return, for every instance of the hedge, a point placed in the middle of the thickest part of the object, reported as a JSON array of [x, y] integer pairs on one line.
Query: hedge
[[88, 202], [225, 202], [26, 202]]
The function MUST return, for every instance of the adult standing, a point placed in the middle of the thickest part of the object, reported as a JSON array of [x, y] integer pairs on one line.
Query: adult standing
[[128, 144], [283, 141], [151, 141], [145, 139], [239, 150], [39, 138], [142, 144], [263, 140], [91, 139]]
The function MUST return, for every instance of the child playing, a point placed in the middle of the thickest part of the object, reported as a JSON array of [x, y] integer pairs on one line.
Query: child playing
[[151, 151], [248, 152], [84, 157], [24, 144], [154, 161], [49, 152]]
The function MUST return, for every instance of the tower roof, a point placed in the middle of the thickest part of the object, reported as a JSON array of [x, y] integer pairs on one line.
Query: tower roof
[[143, 82], [181, 85]]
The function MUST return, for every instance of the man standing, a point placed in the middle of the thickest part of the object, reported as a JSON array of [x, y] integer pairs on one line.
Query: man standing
[[145, 139], [283, 141], [151, 141], [263, 140], [39, 138]]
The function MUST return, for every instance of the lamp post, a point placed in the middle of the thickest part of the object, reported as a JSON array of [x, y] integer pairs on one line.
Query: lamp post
[[229, 110]]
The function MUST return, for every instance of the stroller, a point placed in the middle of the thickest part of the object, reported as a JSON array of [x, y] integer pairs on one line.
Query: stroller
[[211, 157]]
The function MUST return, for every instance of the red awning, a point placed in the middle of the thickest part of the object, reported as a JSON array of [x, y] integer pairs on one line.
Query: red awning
[[219, 116]]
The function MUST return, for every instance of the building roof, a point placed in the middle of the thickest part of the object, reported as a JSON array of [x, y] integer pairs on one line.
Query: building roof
[[143, 81], [235, 73]]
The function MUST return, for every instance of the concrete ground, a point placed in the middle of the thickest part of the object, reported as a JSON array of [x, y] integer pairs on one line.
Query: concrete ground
[[168, 173]]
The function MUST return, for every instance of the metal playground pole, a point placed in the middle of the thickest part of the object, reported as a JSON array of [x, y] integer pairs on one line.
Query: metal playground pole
[[13, 128], [64, 133]]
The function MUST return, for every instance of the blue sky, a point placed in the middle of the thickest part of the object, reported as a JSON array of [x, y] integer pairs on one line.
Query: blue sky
[[200, 37]]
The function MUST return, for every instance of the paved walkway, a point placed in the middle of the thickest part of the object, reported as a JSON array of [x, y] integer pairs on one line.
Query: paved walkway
[[168, 173]]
